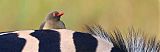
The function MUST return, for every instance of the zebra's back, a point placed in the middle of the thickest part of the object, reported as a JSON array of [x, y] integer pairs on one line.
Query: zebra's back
[[61, 40]]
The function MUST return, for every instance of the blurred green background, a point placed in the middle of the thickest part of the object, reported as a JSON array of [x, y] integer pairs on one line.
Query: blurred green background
[[28, 14]]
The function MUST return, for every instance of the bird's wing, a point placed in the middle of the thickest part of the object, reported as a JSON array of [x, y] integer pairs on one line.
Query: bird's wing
[[62, 24], [42, 25]]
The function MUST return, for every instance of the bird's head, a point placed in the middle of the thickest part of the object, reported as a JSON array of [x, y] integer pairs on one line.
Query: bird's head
[[55, 15]]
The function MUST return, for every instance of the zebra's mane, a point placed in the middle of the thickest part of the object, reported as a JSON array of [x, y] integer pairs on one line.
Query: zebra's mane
[[133, 41], [98, 31]]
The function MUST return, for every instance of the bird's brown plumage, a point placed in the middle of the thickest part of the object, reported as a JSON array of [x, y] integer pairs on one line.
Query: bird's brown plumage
[[52, 21]]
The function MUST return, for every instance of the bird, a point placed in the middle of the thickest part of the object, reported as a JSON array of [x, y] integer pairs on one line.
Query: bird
[[52, 21]]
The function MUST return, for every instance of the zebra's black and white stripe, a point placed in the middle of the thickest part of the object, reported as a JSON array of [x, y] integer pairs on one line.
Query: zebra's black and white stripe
[[61, 40]]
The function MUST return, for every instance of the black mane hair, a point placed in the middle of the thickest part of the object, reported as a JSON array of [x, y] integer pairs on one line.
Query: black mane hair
[[133, 41]]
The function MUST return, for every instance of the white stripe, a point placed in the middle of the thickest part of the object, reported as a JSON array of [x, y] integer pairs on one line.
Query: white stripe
[[66, 42], [32, 43], [4, 33], [103, 45]]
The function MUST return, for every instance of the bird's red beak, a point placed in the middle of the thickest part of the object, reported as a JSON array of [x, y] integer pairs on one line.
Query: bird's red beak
[[58, 14]]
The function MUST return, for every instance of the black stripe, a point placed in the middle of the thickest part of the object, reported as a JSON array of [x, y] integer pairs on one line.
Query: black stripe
[[116, 49], [84, 42], [11, 43], [49, 40]]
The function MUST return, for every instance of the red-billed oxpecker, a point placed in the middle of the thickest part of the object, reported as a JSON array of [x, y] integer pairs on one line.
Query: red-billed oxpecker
[[52, 21]]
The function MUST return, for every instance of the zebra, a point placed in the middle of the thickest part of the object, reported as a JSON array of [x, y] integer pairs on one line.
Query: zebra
[[54, 40], [95, 39]]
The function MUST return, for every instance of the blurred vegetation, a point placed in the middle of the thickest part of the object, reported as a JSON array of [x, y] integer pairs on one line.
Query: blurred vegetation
[[28, 14]]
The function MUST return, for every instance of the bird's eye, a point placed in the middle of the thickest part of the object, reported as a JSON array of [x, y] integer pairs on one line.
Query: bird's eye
[[55, 14]]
